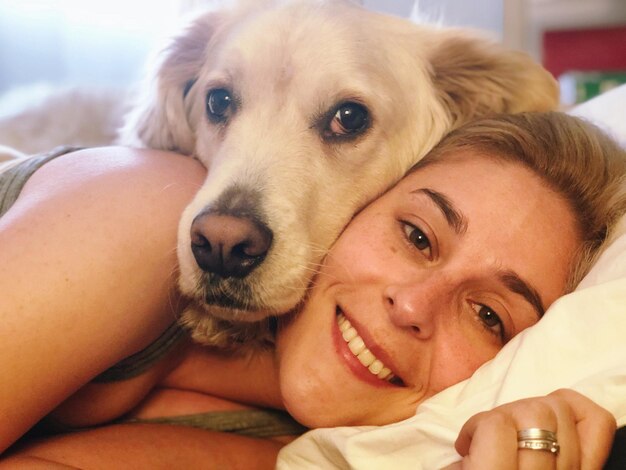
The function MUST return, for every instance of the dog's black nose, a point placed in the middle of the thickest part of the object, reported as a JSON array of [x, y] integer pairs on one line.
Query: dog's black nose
[[227, 245]]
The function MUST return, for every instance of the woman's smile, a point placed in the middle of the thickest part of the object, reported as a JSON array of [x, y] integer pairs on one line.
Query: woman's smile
[[358, 355]]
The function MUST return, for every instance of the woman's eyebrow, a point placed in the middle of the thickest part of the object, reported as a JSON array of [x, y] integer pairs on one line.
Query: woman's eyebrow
[[516, 284], [456, 220]]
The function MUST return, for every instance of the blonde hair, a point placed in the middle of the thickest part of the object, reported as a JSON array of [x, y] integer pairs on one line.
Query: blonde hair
[[573, 157]]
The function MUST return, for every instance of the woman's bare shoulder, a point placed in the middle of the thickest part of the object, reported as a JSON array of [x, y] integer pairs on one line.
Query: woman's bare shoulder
[[88, 271], [117, 191], [122, 167]]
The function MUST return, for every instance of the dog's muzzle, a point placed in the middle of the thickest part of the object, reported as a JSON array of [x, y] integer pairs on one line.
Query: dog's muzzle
[[229, 245]]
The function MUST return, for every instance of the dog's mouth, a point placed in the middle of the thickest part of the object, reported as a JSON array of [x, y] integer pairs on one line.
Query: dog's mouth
[[230, 299], [236, 315], [226, 292]]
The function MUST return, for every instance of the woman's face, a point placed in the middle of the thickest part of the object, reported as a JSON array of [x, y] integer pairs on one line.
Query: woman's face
[[425, 285]]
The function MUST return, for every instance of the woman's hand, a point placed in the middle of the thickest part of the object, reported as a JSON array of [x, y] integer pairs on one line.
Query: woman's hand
[[584, 432]]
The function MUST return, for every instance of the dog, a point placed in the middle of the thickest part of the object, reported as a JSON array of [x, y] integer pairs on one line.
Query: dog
[[303, 111]]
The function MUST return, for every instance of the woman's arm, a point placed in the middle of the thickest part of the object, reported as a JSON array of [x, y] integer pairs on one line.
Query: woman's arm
[[88, 272], [146, 446]]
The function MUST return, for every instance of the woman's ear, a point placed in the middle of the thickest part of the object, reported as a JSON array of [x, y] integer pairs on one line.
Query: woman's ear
[[474, 76]]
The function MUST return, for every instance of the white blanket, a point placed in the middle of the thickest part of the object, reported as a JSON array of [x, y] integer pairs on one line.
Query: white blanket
[[580, 344]]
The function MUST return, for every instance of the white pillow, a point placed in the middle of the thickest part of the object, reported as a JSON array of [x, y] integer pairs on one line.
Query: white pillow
[[580, 344]]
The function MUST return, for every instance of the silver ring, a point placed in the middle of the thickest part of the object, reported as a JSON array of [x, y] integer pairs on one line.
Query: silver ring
[[537, 439], [536, 433]]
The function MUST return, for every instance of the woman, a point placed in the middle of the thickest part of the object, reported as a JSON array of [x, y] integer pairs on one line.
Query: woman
[[425, 284]]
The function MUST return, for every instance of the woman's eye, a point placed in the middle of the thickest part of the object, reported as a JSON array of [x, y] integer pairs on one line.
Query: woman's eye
[[417, 238], [350, 118], [219, 104], [490, 320]]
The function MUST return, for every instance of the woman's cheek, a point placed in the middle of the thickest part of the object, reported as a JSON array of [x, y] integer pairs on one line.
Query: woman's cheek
[[458, 358], [306, 398], [355, 258]]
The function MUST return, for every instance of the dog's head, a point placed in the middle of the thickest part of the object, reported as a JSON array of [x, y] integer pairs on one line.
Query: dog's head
[[304, 111]]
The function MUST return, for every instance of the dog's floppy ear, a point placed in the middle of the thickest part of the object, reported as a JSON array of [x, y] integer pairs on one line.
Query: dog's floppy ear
[[159, 119], [475, 76]]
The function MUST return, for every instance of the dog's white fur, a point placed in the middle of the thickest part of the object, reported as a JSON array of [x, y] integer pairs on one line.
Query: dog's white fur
[[288, 63]]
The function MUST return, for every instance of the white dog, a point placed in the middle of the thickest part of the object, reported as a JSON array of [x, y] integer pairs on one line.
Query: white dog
[[304, 111]]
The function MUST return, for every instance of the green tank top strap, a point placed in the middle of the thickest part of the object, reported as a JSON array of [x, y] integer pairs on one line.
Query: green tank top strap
[[13, 179], [139, 362], [251, 423]]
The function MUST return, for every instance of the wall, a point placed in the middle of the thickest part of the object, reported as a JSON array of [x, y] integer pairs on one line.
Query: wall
[[69, 41], [483, 14]]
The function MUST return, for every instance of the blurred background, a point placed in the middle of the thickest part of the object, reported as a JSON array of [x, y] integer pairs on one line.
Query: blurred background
[[68, 67], [105, 42], [79, 42]]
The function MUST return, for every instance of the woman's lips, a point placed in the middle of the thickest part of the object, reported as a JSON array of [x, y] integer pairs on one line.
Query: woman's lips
[[361, 361]]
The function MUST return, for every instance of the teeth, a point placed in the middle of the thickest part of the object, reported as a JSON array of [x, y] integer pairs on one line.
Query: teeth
[[376, 366], [364, 355], [356, 345], [350, 333]]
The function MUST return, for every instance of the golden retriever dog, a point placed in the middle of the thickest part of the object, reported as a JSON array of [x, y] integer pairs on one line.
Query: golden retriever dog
[[303, 111]]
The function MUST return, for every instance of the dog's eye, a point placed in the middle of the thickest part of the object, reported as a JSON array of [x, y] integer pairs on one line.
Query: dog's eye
[[219, 104], [349, 118]]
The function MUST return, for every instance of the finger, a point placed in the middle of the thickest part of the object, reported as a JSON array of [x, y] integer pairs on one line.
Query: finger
[[595, 428], [488, 440], [567, 433], [535, 413], [464, 439]]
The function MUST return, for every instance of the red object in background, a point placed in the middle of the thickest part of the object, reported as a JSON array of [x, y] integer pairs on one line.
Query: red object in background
[[584, 50]]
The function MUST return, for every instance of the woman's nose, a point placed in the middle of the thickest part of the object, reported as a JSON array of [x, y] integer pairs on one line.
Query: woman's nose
[[416, 305]]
